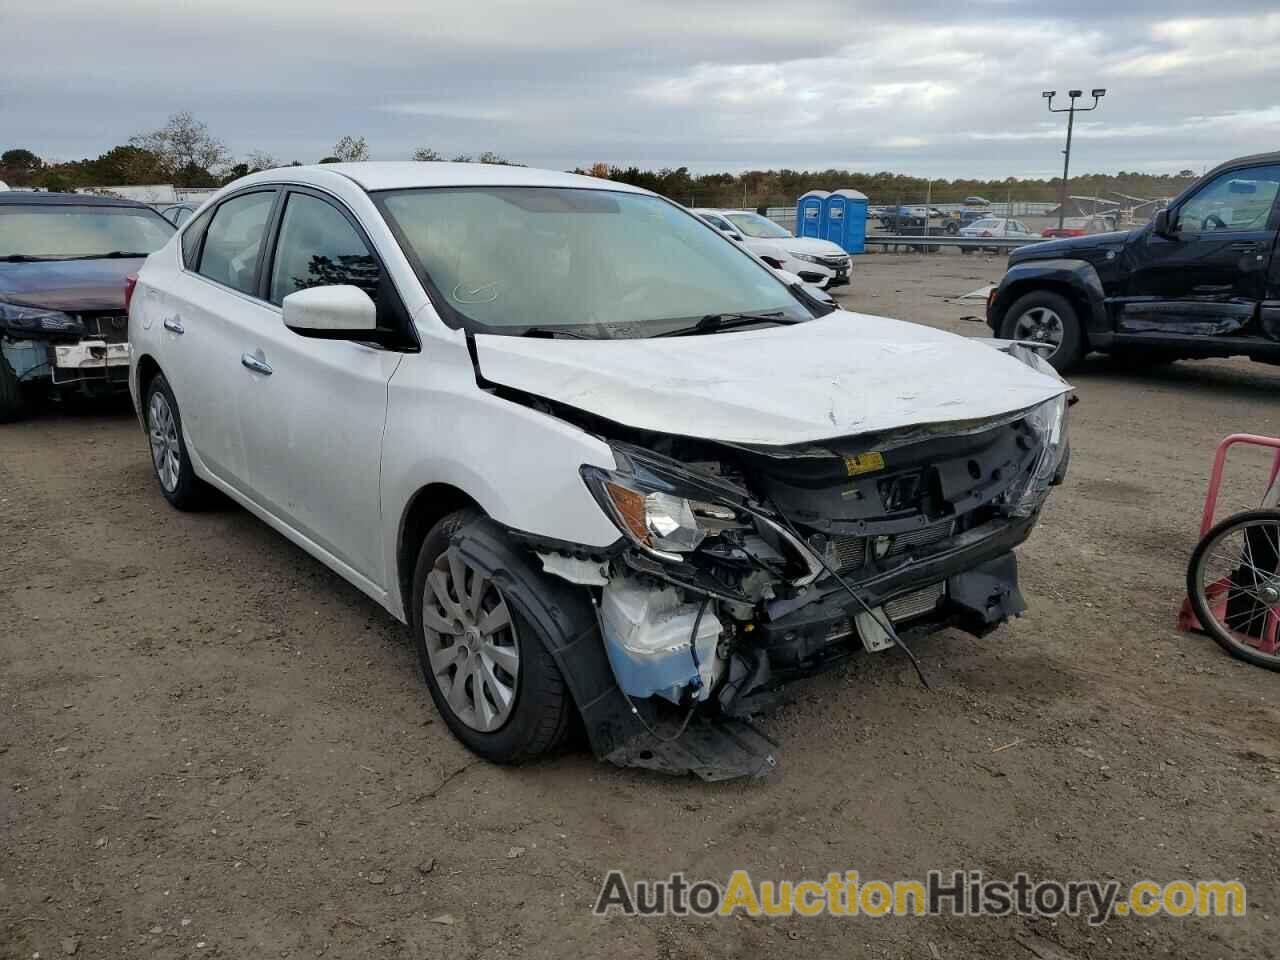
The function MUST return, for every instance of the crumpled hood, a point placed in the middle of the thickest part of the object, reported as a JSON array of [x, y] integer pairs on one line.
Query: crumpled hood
[[70, 285], [839, 375]]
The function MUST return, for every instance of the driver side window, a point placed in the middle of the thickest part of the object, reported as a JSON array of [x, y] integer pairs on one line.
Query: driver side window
[[1236, 200]]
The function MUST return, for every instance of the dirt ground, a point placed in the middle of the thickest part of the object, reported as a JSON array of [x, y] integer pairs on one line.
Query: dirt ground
[[210, 746]]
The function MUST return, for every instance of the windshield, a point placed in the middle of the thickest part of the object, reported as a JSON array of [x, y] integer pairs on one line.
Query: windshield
[[591, 262], [754, 225], [70, 231]]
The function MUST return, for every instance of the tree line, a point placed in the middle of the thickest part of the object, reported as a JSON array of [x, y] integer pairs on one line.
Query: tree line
[[183, 152]]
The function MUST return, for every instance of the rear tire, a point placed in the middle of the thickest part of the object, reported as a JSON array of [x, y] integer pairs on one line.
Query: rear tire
[[13, 404], [470, 664], [169, 458], [1044, 314]]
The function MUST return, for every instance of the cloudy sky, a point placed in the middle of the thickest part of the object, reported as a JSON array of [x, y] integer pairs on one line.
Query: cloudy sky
[[934, 87]]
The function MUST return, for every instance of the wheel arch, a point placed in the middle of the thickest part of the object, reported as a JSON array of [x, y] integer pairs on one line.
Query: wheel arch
[[429, 505], [146, 369], [1075, 280]]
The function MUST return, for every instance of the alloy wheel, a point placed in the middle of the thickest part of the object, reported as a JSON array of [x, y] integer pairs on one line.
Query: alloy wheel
[[1042, 325], [166, 453], [471, 641]]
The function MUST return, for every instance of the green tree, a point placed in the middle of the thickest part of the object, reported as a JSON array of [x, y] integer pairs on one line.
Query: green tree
[[350, 150], [426, 154], [189, 153]]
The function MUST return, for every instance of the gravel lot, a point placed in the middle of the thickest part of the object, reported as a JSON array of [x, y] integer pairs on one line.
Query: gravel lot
[[210, 746]]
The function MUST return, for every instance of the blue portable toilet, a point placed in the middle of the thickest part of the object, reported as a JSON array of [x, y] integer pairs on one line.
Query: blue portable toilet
[[845, 223], [811, 210]]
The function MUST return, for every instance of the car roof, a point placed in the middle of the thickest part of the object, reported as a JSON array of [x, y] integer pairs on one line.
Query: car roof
[[407, 174], [32, 198]]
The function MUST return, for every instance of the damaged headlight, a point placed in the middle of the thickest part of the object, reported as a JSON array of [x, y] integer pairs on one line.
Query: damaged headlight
[[1048, 422], [24, 321], [656, 519]]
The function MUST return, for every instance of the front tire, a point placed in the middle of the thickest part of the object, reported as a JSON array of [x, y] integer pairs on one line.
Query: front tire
[[169, 458], [490, 674], [13, 403], [1046, 317]]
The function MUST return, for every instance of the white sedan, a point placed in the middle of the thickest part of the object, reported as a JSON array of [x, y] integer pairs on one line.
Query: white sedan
[[604, 463], [819, 262], [1001, 227]]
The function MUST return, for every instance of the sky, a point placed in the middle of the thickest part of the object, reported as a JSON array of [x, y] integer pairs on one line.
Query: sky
[[930, 88]]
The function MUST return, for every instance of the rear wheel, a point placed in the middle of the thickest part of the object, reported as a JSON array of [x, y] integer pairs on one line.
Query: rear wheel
[[1233, 581], [489, 672], [1045, 317], [169, 458]]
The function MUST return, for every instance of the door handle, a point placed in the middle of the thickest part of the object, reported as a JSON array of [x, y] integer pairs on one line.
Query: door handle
[[256, 365], [174, 325]]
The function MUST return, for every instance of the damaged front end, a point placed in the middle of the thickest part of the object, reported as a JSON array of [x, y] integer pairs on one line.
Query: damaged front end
[[739, 563]]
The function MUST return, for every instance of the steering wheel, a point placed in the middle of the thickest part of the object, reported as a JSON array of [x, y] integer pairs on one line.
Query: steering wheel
[[1213, 222]]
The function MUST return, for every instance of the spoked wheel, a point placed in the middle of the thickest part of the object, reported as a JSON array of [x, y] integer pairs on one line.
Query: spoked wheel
[[1048, 318], [1233, 582], [489, 669], [471, 643], [165, 452]]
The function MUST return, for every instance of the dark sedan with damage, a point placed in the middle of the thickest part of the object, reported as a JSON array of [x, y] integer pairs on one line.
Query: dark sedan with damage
[[64, 325]]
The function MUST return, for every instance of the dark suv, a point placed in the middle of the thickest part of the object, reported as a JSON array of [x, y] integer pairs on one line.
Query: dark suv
[[64, 325], [1200, 280]]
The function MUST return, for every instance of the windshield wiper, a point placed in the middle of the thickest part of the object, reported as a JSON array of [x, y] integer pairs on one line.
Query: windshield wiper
[[53, 257], [714, 322], [552, 332]]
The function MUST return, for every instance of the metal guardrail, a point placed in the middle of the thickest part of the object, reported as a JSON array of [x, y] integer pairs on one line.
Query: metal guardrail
[[949, 240]]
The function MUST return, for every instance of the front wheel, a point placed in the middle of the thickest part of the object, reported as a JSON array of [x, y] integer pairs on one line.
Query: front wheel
[[1049, 318], [1233, 582], [13, 404], [490, 674]]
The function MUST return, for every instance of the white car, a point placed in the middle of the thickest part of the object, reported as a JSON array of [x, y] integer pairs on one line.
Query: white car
[[819, 262], [600, 460], [1001, 227]]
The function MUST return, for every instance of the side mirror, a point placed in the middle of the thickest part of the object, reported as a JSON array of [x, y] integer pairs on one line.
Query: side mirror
[[339, 312], [1160, 225]]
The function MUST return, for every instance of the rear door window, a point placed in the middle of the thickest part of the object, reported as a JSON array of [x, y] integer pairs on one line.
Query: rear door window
[[233, 241]]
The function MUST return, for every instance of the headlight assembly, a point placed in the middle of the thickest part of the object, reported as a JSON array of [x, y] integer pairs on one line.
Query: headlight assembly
[[655, 517], [808, 258], [1048, 422], [25, 321]]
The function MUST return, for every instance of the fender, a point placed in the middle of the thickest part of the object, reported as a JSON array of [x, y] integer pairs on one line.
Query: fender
[[1077, 279]]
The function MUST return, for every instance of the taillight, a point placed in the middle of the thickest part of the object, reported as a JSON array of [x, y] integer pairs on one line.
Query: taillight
[[130, 282]]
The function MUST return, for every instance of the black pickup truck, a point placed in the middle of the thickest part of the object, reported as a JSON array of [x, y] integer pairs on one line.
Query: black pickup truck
[[1201, 280]]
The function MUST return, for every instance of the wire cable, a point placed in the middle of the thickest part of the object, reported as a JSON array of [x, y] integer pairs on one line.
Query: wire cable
[[885, 623]]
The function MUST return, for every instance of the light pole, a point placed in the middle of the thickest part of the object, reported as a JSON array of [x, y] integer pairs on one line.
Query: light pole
[[1070, 111]]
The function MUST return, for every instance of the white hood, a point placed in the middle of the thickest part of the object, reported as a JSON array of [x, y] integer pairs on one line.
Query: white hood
[[843, 374], [810, 245]]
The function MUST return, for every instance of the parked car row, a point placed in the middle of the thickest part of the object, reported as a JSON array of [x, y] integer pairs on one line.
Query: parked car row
[[819, 262]]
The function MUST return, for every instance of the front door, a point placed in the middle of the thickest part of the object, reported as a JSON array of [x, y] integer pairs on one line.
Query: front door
[[312, 411], [1207, 275]]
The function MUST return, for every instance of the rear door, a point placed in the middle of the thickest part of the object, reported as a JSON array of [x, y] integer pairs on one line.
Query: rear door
[[1208, 275], [213, 298], [312, 411]]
